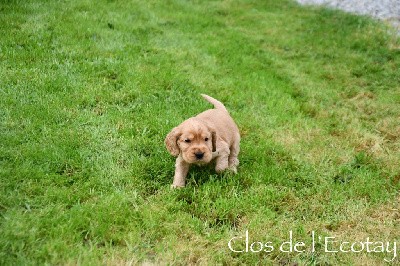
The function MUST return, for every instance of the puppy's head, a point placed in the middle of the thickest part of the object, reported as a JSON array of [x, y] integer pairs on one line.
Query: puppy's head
[[194, 140]]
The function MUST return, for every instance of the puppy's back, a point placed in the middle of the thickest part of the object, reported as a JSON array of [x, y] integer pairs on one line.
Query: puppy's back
[[220, 120]]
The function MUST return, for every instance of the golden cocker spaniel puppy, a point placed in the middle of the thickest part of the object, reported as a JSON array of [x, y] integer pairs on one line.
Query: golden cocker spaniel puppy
[[210, 136]]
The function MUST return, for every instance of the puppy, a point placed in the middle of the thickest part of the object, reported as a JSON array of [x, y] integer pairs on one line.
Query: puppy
[[210, 136]]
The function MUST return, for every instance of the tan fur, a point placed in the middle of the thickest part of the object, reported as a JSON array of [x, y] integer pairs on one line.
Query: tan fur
[[212, 135]]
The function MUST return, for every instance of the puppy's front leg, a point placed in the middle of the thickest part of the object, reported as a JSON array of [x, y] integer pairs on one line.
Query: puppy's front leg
[[181, 170]]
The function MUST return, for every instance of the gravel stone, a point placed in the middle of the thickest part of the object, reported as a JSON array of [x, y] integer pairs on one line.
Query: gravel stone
[[386, 10]]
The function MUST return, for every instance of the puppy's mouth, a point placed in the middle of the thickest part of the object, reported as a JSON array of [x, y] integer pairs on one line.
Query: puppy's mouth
[[202, 161], [199, 158]]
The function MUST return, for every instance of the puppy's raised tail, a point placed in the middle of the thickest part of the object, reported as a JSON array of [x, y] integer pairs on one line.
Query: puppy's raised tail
[[217, 104]]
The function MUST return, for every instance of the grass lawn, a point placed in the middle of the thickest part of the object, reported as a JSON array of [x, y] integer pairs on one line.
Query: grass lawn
[[89, 90]]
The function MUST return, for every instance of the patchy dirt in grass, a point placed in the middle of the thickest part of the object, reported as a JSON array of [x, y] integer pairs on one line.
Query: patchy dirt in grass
[[379, 224]]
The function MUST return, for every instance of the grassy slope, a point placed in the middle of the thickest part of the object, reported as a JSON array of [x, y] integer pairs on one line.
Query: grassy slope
[[88, 92]]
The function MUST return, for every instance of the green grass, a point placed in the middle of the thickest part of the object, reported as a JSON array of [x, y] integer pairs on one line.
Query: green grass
[[89, 90]]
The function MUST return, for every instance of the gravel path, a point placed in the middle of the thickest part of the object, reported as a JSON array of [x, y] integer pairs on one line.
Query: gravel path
[[386, 10]]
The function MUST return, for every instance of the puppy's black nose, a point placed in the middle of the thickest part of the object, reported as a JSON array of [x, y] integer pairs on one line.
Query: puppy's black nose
[[199, 155]]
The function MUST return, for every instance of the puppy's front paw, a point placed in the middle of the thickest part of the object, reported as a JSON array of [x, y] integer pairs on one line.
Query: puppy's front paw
[[176, 186], [219, 169], [232, 169]]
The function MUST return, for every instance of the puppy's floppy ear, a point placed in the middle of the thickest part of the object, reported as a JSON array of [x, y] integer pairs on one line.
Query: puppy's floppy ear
[[213, 138], [171, 141]]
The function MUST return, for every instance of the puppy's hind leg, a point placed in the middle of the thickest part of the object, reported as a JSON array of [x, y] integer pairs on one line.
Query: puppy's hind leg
[[233, 160], [221, 161]]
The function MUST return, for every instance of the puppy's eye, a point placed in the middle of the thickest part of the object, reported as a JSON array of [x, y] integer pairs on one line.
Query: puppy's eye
[[187, 140], [206, 139]]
